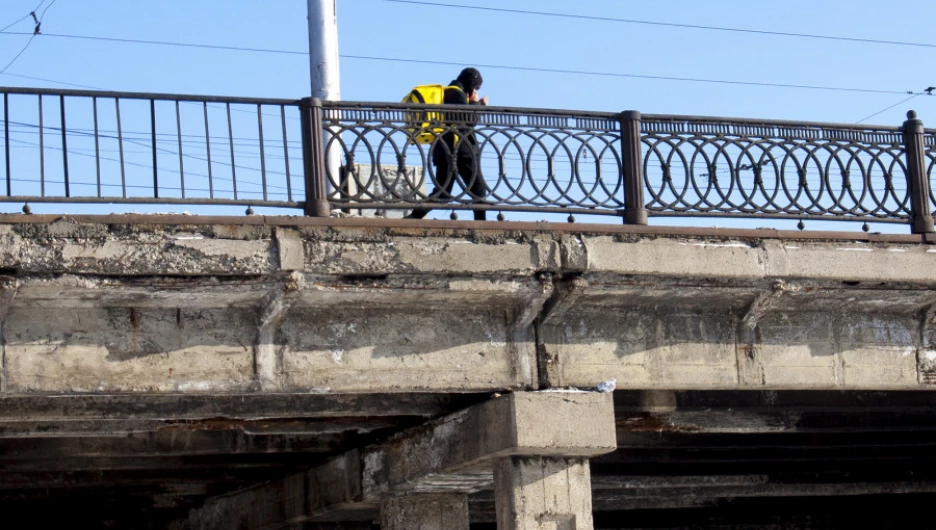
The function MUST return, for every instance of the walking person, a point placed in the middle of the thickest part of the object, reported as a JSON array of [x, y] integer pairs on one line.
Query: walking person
[[460, 145]]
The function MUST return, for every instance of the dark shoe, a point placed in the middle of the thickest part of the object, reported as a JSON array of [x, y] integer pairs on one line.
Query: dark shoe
[[416, 214]]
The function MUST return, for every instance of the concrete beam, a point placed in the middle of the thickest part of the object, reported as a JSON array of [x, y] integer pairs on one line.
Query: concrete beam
[[452, 455], [428, 511], [332, 486], [456, 453], [237, 406]]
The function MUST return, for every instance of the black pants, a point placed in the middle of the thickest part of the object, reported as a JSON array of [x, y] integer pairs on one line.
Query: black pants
[[469, 177]]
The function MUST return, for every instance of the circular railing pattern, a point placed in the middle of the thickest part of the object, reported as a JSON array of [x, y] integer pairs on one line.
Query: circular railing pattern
[[559, 162], [712, 173]]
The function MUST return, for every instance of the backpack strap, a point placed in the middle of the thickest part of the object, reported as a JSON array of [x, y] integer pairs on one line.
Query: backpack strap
[[458, 88], [419, 97]]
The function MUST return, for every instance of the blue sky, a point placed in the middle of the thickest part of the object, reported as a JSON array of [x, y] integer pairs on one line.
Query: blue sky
[[388, 30], [391, 30]]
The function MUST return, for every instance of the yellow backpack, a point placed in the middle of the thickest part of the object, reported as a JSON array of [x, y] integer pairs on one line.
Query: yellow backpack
[[421, 129]]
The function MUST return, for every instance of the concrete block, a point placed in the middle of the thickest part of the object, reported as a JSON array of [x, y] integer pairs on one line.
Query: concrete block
[[290, 249], [796, 328], [868, 366], [800, 377], [425, 512], [644, 350], [546, 423], [171, 255], [465, 444], [708, 259], [129, 350], [541, 493], [851, 261], [469, 257], [346, 351], [879, 330]]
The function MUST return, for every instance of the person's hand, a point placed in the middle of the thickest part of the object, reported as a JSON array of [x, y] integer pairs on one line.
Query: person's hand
[[474, 98]]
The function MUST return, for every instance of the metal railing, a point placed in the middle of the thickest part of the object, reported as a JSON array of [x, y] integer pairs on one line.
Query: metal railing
[[81, 146], [113, 147]]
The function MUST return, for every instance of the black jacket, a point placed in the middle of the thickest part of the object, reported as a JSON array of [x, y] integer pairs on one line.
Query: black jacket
[[463, 124]]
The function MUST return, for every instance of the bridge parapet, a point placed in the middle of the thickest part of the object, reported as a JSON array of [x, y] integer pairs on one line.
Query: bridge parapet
[[126, 304]]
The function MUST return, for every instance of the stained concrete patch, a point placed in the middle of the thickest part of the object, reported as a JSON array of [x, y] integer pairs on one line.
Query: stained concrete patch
[[342, 351], [124, 349]]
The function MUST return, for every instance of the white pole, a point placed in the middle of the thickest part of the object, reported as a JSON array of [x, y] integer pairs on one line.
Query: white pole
[[323, 49], [323, 59]]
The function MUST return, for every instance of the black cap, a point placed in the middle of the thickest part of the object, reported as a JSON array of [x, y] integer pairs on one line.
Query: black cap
[[470, 78]]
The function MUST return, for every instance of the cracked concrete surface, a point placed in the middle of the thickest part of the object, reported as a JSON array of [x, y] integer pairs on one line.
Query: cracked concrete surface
[[194, 306]]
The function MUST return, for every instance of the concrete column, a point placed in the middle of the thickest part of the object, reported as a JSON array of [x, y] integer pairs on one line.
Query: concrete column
[[543, 493], [425, 511]]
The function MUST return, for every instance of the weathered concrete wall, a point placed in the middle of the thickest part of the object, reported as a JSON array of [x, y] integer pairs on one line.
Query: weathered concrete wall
[[188, 305], [694, 349], [127, 349]]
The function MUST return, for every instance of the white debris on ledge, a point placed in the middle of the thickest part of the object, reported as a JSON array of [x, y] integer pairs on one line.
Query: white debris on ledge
[[604, 387]]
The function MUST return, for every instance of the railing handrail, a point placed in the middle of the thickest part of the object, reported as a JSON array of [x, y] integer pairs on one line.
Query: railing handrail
[[488, 109], [770, 122], [376, 105], [158, 96], [164, 96]]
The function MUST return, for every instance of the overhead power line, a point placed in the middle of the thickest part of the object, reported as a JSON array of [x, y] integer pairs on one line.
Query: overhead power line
[[163, 43], [24, 17], [36, 31], [668, 24], [47, 80], [882, 111], [493, 66], [633, 76]]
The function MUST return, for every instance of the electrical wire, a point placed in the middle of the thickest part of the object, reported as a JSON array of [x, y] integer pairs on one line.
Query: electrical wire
[[163, 43], [45, 80], [240, 181], [24, 17], [18, 55], [633, 76], [492, 66], [42, 16], [668, 24], [33, 36], [888, 108]]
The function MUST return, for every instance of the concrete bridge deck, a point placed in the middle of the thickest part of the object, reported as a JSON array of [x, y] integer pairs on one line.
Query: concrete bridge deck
[[151, 363]]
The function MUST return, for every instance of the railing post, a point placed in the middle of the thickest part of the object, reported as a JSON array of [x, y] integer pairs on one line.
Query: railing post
[[635, 212], [313, 158], [921, 216]]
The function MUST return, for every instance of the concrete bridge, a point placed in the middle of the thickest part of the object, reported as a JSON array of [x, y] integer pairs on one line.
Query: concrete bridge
[[185, 372]]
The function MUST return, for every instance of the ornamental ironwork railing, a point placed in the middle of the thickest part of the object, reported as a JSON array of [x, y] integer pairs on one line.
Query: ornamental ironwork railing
[[88, 146]]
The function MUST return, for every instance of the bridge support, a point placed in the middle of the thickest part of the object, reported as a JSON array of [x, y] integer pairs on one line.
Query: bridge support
[[532, 448], [447, 511], [543, 493]]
